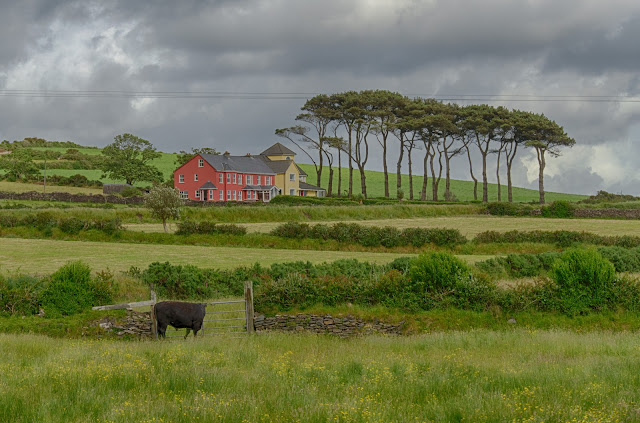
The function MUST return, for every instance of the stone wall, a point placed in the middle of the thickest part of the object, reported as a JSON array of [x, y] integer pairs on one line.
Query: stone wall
[[340, 326], [608, 213], [134, 324]]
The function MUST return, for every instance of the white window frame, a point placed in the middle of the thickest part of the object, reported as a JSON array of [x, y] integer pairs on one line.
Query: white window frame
[[249, 179], [198, 194], [234, 178], [200, 162], [240, 179], [181, 179], [258, 181], [195, 177], [234, 195], [221, 177], [228, 178], [292, 176], [292, 191], [210, 194], [184, 195], [221, 195], [228, 195]]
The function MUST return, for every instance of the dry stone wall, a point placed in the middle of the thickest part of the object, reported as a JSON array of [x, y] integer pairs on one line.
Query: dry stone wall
[[340, 326], [74, 198]]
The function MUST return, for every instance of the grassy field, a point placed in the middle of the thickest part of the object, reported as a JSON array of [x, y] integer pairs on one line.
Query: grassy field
[[25, 187], [469, 226], [479, 376], [463, 190]]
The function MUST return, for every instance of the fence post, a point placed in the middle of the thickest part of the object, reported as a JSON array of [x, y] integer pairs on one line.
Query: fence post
[[154, 323], [248, 305]]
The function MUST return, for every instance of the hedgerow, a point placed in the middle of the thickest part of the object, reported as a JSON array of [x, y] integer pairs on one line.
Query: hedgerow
[[188, 227], [45, 221], [371, 236], [560, 238]]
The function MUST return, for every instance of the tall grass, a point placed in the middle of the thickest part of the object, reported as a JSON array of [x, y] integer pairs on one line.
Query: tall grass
[[476, 376]]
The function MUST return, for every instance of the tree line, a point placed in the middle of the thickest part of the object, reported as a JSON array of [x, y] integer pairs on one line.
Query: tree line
[[348, 124]]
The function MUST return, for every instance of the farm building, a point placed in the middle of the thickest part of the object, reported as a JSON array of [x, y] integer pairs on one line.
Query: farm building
[[223, 177]]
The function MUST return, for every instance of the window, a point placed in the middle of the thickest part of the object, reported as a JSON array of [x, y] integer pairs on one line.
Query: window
[[220, 175], [258, 177], [240, 179], [197, 193], [210, 194], [267, 180], [288, 158], [249, 178], [240, 195], [181, 179], [234, 195], [221, 195], [228, 178], [303, 178], [195, 177], [201, 163], [184, 195], [292, 191], [228, 195], [234, 178], [292, 176]]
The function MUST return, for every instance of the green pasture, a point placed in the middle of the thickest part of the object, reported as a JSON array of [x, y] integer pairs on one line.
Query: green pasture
[[469, 226], [477, 376], [27, 187], [46, 256], [463, 190]]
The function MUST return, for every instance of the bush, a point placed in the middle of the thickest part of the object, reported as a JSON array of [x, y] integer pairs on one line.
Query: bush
[[20, 294], [561, 209], [584, 280], [70, 290], [209, 228], [623, 259], [436, 271], [503, 209]]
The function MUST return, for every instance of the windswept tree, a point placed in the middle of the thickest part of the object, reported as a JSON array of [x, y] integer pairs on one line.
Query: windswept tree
[[164, 203], [128, 158], [319, 113], [452, 143], [546, 137]]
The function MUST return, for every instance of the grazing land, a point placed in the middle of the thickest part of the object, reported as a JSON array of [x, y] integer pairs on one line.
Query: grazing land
[[46, 256], [497, 376]]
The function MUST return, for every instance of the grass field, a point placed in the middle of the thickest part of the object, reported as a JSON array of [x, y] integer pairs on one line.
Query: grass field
[[463, 190], [24, 187], [478, 376], [469, 226]]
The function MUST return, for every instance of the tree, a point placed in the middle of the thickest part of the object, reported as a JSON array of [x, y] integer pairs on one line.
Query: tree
[[164, 203], [19, 165], [128, 158], [184, 156], [547, 137]]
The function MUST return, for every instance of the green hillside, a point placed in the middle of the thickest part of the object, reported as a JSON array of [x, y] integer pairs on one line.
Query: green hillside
[[463, 190]]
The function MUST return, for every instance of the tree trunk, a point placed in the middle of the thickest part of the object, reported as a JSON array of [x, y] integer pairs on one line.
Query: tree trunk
[[475, 181], [410, 174], [164, 225], [339, 173], [399, 170], [319, 173], [498, 175], [447, 183], [384, 167], [349, 156], [330, 186], [425, 179], [363, 181], [485, 186], [510, 157], [542, 164]]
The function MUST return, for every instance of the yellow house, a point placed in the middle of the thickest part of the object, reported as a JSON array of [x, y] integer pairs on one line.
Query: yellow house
[[290, 179]]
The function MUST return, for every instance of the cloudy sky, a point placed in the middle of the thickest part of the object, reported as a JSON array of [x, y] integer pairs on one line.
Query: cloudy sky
[[70, 70]]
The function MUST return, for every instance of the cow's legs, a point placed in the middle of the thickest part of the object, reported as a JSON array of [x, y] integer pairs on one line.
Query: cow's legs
[[188, 331]]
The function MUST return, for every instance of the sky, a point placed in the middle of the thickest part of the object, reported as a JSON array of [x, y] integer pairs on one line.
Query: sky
[[227, 73]]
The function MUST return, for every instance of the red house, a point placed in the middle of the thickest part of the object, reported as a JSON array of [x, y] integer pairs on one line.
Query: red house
[[209, 177]]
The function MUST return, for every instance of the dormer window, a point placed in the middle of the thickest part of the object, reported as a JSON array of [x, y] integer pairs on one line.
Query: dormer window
[[288, 158]]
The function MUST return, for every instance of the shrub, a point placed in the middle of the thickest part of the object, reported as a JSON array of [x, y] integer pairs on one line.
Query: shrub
[[69, 290], [623, 259], [129, 192], [188, 227], [20, 294], [561, 209], [584, 279], [503, 209], [436, 271], [71, 225]]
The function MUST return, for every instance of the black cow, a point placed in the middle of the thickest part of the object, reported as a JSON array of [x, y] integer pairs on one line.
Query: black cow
[[179, 315]]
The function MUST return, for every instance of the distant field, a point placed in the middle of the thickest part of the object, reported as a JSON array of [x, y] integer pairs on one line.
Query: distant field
[[470, 226], [463, 190], [21, 187]]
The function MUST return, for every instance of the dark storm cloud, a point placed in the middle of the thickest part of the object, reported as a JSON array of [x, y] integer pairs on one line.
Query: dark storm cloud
[[536, 47]]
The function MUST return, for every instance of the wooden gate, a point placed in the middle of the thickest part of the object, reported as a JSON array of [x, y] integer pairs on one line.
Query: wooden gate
[[219, 318]]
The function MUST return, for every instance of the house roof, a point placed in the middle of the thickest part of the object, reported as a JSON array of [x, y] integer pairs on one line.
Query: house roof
[[302, 172], [244, 164], [277, 149], [208, 185], [277, 166], [308, 187]]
